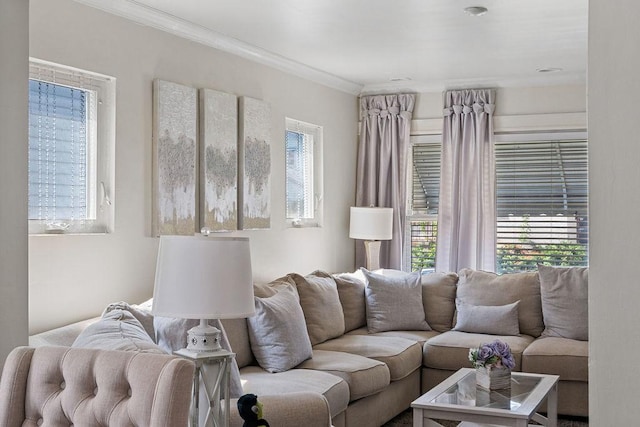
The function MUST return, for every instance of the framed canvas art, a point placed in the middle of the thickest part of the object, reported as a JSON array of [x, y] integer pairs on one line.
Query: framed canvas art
[[175, 127], [255, 164], [218, 160]]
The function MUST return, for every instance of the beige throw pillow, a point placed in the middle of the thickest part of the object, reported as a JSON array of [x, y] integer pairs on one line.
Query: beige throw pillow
[[277, 332], [321, 306], [352, 297], [394, 302], [488, 319], [565, 293], [439, 299], [477, 287]]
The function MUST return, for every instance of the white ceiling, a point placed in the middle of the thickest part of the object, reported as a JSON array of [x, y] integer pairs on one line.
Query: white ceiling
[[360, 45]]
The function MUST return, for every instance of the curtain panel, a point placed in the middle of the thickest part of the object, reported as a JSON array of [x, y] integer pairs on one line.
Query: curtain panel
[[467, 212], [385, 124]]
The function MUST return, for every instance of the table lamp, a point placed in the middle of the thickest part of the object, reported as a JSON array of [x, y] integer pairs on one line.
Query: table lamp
[[372, 225], [203, 278]]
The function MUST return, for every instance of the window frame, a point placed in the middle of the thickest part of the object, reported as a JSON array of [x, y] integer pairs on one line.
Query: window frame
[[316, 163], [101, 150]]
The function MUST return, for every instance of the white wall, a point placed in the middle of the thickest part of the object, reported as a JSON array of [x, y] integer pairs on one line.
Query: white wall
[[14, 50], [614, 199], [72, 277]]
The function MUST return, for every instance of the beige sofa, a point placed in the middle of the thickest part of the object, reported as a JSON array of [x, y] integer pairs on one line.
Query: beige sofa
[[360, 378]]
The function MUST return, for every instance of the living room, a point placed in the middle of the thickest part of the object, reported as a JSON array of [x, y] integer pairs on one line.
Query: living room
[[75, 277]]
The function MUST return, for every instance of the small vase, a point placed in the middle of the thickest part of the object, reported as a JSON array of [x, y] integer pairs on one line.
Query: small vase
[[493, 377]]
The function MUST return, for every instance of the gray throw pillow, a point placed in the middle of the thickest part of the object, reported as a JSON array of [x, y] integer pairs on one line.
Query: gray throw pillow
[[488, 319], [277, 332], [565, 294], [321, 306], [394, 302], [117, 330]]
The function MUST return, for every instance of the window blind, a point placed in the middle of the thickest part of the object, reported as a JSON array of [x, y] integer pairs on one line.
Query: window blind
[[426, 178], [57, 151], [542, 204], [299, 149]]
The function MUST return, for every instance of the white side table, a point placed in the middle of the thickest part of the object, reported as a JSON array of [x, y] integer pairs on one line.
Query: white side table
[[212, 371]]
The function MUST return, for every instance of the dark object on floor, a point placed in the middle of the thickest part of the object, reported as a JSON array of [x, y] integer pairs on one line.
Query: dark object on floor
[[251, 411]]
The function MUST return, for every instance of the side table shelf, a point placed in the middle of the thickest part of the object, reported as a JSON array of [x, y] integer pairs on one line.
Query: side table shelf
[[210, 399]]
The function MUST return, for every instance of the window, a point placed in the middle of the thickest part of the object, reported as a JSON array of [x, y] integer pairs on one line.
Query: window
[[71, 144], [541, 201], [303, 148], [422, 218], [542, 195]]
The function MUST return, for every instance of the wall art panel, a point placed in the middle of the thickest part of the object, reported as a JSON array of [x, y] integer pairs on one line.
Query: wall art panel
[[175, 118], [218, 160], [255, 164]]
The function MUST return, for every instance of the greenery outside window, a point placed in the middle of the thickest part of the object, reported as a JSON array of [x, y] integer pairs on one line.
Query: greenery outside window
[[303, 150], [71, 150]]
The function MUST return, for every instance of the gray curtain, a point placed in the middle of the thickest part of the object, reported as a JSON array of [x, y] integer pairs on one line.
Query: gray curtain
[[467, 206], [385, 123]]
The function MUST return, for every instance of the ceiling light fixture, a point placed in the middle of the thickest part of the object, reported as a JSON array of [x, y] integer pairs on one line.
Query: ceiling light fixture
[[549, 70], [476, 10]]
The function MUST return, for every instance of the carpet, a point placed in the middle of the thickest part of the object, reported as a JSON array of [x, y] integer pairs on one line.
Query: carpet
[[406, 419]]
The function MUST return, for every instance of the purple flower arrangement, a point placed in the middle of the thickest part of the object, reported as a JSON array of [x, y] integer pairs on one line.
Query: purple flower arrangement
[[494, 354]]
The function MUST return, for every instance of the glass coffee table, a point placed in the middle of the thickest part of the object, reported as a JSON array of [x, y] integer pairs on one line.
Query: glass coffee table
[[459, 399]]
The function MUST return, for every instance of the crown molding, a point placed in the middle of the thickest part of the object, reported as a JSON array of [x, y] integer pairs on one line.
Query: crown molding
[[163, 21]]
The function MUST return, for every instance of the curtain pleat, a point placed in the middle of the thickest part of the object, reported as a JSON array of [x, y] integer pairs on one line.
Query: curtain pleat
[[381, 168], [466, 215]]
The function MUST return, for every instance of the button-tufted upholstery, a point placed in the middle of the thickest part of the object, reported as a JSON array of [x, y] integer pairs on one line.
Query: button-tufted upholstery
[[61, 386]]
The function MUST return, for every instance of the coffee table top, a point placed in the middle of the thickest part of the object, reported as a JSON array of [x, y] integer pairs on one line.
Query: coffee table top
[[459, 394]]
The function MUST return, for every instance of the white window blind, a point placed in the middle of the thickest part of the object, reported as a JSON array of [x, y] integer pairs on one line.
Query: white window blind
[[303, 148], [542, 203], [422, 220], [70, 162]]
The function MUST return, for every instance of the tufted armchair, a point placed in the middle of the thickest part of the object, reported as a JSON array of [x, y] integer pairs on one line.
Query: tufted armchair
[[62, 386]]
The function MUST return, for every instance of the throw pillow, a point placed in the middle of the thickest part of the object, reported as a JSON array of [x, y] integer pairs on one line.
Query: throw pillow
[[321, 306], [117, 330], [141, 312], [565, 293], [488, 319], [352, 297], [394, 302], [477, 287], [277, 332]]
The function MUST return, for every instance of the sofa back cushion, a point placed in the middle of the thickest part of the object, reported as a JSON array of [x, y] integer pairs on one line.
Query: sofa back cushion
[[352, 298], [321, 306], [439, 299], [238, 336], [565, 293], [484, 288]]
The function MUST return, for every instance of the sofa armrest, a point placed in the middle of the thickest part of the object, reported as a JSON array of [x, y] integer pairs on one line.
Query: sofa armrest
[[290, 410]]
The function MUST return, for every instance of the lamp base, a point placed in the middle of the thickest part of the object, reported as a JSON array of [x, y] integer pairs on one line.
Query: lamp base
[[203, 338], [372, 249]]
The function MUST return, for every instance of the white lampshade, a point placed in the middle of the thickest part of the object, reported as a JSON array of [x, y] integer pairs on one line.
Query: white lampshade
[[371, 223], [203, 278]]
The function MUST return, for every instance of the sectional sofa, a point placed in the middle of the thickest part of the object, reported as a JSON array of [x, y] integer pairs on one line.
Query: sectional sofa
[[356, 349]]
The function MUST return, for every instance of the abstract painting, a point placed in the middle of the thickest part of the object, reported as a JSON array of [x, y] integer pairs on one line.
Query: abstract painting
[[255, 164], [175, 127], [218, 160]]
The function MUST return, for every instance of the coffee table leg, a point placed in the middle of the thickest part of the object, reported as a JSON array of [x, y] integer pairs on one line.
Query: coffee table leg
[[552, 407], [417, 417]]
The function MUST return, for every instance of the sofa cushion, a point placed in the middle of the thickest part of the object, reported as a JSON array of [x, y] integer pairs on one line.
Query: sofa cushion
[[277, 332], [564, 357], [263, 383], [565, 292], [238, 335], [321, 306], [488, 319], [418, 336], [484, 288], [394, 302], [401, 356], [352, 297], [365, 376], [450, 350], [117, 330], [439, 299]]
